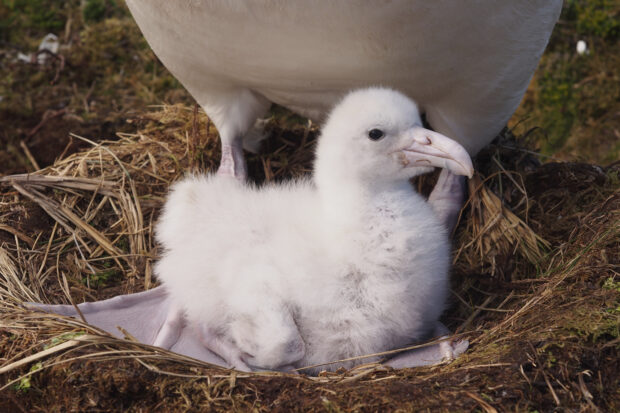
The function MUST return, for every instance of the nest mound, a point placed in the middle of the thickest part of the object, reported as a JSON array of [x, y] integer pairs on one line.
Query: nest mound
[[541, 308]]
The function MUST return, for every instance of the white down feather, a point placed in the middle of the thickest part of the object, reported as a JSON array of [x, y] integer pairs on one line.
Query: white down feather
[[354, 255]]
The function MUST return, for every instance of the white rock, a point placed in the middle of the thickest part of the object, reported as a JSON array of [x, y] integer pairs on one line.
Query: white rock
[[582, 47]]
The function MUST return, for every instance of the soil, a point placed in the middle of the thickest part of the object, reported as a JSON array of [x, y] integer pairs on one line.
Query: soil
[[544, 335]]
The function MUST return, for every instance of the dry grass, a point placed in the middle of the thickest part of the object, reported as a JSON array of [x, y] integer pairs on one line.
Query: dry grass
[[541, 309]]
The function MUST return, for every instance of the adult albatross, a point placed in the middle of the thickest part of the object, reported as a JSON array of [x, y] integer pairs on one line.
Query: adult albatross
[[466, 63]]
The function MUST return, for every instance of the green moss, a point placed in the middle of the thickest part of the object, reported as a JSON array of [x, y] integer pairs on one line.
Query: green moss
[[593, 323], [594, 17], [25, 384], [93, 10], [63, 338], [97, 10], [612, 284], [105, 45], [573, 98], [103, 278], [32, 18], [556, 97]]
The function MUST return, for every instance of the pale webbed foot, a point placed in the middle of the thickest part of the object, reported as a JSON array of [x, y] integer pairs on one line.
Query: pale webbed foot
[[437, 353], [150, 316], [141, 314], [447, 198]]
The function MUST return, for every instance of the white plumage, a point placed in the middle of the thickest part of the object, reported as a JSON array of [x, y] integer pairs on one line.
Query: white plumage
[[467, 63], [349, 263]]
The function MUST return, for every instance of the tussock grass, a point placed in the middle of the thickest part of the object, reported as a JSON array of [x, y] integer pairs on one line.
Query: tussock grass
[[535, 285]]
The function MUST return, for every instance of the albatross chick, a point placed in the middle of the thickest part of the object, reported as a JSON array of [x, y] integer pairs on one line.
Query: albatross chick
[[349, 262]]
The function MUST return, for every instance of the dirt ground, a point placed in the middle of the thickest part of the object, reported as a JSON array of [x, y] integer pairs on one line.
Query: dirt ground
[[544, 334], [536, 292]]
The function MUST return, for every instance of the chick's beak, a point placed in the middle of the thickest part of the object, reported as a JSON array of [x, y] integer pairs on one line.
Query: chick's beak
[[428, 148]]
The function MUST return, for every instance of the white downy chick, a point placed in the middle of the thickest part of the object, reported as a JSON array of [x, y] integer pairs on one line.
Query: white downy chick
[[348, 263]]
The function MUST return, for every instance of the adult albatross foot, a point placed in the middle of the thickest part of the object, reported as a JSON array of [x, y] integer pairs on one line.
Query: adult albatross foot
[[145, 315]]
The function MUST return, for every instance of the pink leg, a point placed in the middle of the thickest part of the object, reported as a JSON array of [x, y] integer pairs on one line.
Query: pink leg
[[233, 162], [447, 198]]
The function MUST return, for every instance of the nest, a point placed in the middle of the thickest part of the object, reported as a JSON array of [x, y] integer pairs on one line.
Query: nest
[[535, 285]]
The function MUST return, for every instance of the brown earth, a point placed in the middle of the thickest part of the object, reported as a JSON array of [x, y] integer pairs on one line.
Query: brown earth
[[544, 334], [542, 314]]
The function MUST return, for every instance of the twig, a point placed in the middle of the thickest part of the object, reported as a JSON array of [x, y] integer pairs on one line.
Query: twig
[[29, 155], [47, 115], [18, 234], [41, 354], [486, 406]]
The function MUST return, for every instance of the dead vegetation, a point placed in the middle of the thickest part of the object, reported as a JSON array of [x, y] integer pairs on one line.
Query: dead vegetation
[[541, 309], [102, 74]]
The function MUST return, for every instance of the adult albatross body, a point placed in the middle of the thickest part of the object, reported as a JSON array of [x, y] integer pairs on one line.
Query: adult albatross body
[[466, 63]]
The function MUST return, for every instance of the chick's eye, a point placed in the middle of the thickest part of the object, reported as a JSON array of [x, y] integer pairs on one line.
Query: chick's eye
[[375, 134]]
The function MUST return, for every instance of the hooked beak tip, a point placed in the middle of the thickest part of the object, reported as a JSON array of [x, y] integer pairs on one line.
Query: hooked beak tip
[[430, 148]]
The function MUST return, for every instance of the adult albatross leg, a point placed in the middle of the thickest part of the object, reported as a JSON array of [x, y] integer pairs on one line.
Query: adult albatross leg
[[447, 198], [233, 111]]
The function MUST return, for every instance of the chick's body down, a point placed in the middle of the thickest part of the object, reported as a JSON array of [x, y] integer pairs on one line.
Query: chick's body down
[[375, 282]]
